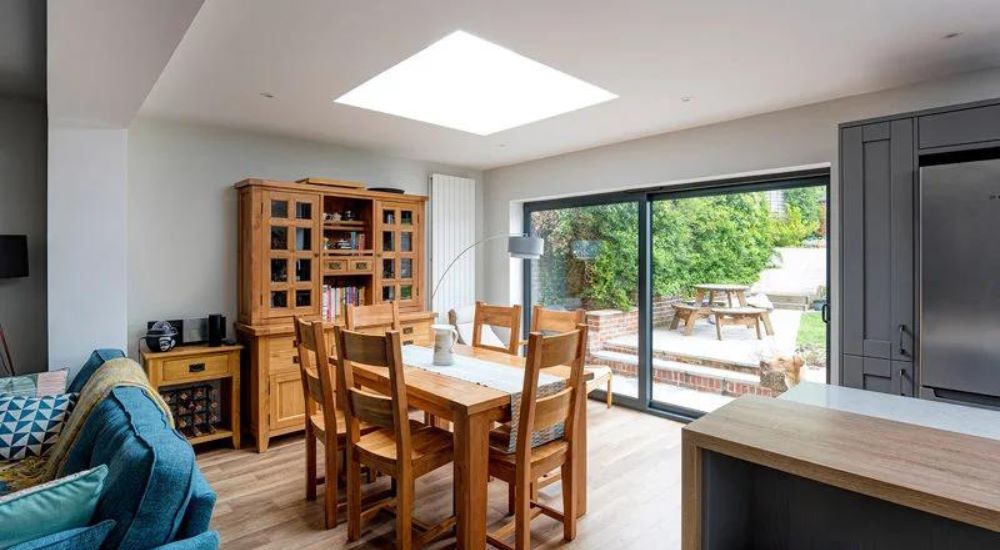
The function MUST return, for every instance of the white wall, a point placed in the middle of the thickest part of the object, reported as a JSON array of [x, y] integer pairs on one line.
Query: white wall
[[87, 274], [801, 136], [182, 240], [23, 311]]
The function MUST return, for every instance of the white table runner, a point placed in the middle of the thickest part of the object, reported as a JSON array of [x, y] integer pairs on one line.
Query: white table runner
[[492, 375]]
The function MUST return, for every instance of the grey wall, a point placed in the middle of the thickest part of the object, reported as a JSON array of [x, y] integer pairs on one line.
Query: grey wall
[[23, 310], [182, 207], [801, 136]]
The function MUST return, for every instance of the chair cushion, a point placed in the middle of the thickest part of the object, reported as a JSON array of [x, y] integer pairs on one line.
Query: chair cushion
[[151, 468], [64, 503], [81, 538], [30, 426], [38, 384]]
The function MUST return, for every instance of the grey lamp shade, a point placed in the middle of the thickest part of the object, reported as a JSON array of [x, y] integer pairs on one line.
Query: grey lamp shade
[[526, 247]]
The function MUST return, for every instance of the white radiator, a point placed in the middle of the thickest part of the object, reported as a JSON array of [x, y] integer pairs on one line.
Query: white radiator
[[453, 229]]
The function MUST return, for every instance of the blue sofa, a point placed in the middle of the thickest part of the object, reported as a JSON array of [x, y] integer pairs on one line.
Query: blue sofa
[[154, 491]]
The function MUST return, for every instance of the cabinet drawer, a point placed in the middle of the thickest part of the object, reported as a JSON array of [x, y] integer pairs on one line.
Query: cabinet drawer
[[195, 368], [416, 332], [337, 265], [361, 266], [958, 127], [282, 355]]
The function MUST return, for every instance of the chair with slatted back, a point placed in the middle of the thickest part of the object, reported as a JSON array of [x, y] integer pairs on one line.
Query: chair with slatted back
[[378, 319], [373, 319], [400, 448], [550, 321], [505, 317], [527, 464], [323, 423]]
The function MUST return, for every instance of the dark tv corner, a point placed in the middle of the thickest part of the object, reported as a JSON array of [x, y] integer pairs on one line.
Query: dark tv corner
[[13, 256]]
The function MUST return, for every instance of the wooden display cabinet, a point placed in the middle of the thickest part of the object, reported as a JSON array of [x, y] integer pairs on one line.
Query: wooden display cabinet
[[295, 238]]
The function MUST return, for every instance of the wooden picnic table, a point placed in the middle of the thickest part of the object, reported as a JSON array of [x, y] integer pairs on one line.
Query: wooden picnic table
[[730, 290]]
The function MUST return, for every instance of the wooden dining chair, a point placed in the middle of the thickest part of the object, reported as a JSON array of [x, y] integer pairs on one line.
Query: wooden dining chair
[[374, 319], [527, 464], [323, 423], [550, 321], [402, 449], [378, 319], [508, 317]]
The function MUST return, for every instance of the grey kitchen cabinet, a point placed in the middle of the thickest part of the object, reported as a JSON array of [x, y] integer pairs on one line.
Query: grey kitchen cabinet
[[881, 375], [877, 209]]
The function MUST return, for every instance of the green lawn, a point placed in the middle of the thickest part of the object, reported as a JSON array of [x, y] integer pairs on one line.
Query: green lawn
[[812, 331]]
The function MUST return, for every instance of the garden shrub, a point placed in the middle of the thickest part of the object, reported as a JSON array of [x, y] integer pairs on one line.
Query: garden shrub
[[720, 239]]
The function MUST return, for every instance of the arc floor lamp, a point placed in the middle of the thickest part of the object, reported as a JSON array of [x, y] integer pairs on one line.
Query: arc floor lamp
[[523, 246]]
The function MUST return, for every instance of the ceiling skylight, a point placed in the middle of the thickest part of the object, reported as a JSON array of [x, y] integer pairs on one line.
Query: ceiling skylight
[[469, 84]]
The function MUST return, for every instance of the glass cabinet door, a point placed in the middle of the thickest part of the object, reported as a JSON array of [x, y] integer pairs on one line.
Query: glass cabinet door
[[399, 242], [291, 222]]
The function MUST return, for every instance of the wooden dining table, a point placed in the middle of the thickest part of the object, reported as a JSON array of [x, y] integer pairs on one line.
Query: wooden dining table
[[473, 409]]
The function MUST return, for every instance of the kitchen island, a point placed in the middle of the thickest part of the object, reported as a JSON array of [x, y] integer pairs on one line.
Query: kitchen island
[[832, 467]]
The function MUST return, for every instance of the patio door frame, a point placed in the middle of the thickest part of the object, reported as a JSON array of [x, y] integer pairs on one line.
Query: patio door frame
[[644, 199]]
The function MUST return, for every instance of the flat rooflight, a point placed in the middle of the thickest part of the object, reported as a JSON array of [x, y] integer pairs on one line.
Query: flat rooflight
[[469, 84]]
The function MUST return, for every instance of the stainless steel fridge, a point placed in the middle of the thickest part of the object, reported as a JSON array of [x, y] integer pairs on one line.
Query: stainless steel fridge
[[959, 282]]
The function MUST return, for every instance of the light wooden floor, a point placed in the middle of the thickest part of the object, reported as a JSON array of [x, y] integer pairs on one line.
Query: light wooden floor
[[634, 486]]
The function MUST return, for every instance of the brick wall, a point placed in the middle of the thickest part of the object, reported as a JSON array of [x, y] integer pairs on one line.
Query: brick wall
[[606, 324]]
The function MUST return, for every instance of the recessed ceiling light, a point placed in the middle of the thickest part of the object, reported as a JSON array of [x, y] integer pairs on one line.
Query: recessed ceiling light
[[951, 35], [466, 83], [267, 95], [686, 98]]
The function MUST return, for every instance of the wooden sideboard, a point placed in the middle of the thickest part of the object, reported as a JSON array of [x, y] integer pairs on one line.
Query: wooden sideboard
[[302, 246]]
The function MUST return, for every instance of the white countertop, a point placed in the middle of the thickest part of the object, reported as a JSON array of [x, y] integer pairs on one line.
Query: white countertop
[[922, 412]]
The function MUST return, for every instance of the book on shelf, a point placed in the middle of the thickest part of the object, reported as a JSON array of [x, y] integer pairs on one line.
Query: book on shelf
[[337, 298]]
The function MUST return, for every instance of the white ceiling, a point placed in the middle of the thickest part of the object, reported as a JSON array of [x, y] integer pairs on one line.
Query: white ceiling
[[734, 58]]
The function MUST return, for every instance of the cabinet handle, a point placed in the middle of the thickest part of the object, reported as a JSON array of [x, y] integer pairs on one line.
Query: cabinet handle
[[196, 367], [902, 333], [902, 377]]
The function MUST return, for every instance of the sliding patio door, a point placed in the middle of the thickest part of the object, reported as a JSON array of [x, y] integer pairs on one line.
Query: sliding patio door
[[692, 294], [738, 286], [591, 262]]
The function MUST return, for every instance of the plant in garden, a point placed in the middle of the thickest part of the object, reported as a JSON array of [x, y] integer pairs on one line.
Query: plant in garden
[[726, 238]]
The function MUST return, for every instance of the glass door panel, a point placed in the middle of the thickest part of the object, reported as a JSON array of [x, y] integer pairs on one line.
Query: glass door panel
[[591, 261], [735, 276], [290, 228]]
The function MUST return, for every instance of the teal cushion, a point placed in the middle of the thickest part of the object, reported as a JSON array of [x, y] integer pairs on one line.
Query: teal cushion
[[65, 503], [81, 538]]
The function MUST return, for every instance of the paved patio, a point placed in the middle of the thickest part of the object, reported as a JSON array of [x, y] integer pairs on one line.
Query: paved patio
[[739, 345]]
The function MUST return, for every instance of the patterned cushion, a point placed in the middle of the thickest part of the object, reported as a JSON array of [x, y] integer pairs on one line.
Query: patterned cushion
[[29, 426], [35, 385]]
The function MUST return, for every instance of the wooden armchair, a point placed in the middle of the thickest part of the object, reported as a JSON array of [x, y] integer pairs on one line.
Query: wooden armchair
[[522, 469], [399, 448], [508, 317]]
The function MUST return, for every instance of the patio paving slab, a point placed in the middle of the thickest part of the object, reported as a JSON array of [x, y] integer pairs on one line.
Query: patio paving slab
[[739, 346]]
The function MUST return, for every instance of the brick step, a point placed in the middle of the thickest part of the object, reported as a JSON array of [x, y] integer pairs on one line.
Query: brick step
[[675, 366], [690, 359]]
